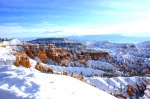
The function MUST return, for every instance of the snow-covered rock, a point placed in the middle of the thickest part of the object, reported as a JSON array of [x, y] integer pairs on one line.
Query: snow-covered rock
[[99, 64], [119, 85], [15, 42]]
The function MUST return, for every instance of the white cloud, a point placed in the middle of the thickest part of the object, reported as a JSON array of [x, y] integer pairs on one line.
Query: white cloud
[[129, 29], [139, 28], [15, 30]]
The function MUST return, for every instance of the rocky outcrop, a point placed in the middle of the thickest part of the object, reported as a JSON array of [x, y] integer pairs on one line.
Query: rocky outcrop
[[130, 90], [65, 73], [87, 57], [60, 55], [119, 95], [29, 53], [134, 73], [22, 59], [45, 69], [42, 56], [16, 63], [83, 61], [77, 76], [63, 62]]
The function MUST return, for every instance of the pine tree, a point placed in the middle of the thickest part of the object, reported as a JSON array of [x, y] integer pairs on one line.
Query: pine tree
[[2, 39], [81, 73], [6, 39]]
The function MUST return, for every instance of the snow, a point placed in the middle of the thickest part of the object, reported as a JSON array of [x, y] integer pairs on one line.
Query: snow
[[22, 83], [37, 59], [6, 53], [116, 84], [148, 87], [12, 42], [147, 92], [15, 41], [99, 64], [78, 70], [70, 70], [18, 48], [18, 83]]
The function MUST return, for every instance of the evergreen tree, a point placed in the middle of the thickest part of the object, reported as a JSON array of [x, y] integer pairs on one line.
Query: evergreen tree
[[81, 73], [2, 39], [6, 39]]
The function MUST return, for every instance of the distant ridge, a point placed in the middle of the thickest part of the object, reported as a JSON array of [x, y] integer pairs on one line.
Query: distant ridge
[[115, 38]]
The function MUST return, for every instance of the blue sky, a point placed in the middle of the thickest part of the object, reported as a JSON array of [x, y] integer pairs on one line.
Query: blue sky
[[46, 18]]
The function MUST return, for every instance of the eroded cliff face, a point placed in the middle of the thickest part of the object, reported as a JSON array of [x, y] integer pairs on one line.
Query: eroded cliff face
[[60, 55], [42, 55]]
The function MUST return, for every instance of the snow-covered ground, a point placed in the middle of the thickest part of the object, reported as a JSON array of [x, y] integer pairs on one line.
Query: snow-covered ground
[[19, 82], [12, 42], [118, 85], [147, 92], [22, 83], [99, 64], [6, 53], [78, 70]]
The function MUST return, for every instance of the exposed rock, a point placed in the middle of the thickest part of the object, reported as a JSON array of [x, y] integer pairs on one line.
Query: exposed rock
[[45, 69], [120, 95], [64, 62], [83, 61], [29, 53], [130, 90], [50, 70], [22, 59], [42, 56], [65, 73], [16, 63]]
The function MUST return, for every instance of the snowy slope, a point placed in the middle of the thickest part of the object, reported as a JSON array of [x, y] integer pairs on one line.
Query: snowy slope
[[13, 42], [30, 83], [21, 83], [99, 64], [70, 70], [6, 53], [118, 85], [147, 92]]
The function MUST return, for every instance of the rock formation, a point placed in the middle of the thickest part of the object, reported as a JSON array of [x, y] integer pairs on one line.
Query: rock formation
[[22, 59], [42, 56], [29, 53], [16, 63], [65, 73], [61, 55], [130, 90], [83, 61], [120, 95], [63, 62], [45, 69]]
